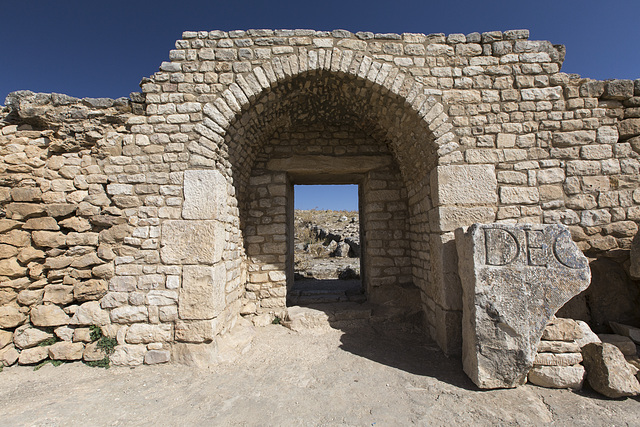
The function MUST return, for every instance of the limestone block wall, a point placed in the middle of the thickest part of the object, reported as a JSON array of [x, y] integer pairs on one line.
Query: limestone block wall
[[386, 248], [481, 127], [266, 236]]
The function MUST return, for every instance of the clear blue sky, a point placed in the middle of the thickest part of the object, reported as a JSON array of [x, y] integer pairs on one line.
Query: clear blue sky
[[335, 197], [103, 48]]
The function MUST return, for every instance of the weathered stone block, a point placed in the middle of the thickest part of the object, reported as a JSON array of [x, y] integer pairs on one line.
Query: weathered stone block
[[202, 295], [205, 195], [153, 357], [558, 376], [464, 185], [560, 329], [48, 315], [192, 242], [451, 217], [26, 336], [197, 331], [142, 333], [498, 265], [128, 355], [65, 350], [90, 313], [90, 290], [33, 355]]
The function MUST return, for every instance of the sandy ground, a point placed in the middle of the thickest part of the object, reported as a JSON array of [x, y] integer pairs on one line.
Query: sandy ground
[[361, 375]]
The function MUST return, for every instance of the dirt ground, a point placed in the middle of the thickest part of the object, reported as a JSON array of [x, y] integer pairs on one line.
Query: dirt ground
[[377, 374]]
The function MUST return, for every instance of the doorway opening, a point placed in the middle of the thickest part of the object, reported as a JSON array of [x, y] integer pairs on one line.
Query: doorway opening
[[327, 245]]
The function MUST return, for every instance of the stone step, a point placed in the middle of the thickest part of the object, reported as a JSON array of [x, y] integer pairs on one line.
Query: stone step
[[321, 316]]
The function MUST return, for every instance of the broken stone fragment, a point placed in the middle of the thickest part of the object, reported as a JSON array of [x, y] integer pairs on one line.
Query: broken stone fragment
[[33, 355], [10, 317], [6, 338], [8, 355], [608, 372], [498, 265], [25, 336]]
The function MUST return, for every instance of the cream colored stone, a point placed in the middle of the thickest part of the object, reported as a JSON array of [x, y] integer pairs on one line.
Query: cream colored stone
[[197, 331], [205, 195], [128, 355], [464, 185], [65, 350], [202, 295], [6, 337], [48, 315], [452, 217], [558, 376], [90, 313], [8, 355], [192, 242], [33, 355], [141, 333], [11, 268], [58, 294], [557, 359], [25, 336], [92, 353]]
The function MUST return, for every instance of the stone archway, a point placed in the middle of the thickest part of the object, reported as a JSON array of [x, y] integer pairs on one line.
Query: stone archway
[[349, 128]]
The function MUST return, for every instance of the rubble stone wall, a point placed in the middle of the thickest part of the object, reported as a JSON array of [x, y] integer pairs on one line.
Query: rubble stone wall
[[102, 197]]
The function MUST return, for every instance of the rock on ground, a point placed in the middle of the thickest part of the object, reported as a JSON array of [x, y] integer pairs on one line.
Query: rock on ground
[[608, 372]]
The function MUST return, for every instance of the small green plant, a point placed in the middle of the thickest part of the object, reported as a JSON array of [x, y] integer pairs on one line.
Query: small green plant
[[102, 363], [104, 343], [55, 363], [276, 320], [96, 332], [1, 367], [48, 341]]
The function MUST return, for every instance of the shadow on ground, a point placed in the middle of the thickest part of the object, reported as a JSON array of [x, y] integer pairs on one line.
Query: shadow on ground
[[397, 344]]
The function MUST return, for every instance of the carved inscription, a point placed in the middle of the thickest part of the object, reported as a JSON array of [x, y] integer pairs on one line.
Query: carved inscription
[[529, 247]]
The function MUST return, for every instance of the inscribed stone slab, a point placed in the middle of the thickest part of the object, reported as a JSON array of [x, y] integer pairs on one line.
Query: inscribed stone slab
[[514, 278]]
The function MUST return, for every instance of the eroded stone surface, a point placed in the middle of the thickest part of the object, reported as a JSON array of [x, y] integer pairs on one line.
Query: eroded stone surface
[[202, 292], [192, 242], [205, 195], [558, 376], [514, 278]]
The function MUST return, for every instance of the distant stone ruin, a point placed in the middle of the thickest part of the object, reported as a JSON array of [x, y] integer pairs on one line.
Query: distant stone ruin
[[165, 217]]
